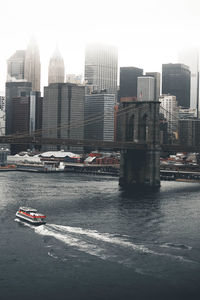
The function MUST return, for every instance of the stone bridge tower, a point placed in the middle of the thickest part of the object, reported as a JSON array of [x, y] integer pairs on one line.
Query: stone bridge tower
[[138, 122]]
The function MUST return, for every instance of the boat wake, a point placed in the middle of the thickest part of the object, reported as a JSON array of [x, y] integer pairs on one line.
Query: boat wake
[[106, 246], [103, 245]]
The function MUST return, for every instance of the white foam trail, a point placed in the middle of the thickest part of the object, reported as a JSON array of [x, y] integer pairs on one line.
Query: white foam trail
[[73, 241], [105, 237], [52, 255]]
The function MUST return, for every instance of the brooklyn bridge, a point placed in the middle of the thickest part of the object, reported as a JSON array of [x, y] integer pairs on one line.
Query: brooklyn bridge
[[138, 141]]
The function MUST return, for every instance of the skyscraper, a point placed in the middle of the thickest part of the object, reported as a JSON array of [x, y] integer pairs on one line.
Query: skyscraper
[[63, 112], [176, 81], [101, 63], [190, 57], [145, 88], [32, 65], [15, 66], [101, 105], [128, 81], [170, 111], [156, 76], [14, 90], [56, 72]]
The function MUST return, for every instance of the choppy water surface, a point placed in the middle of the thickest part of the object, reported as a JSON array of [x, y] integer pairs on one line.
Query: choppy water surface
[[99, 242]]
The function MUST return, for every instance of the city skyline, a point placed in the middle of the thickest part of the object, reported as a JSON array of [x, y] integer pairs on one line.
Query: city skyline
[[146, 34]]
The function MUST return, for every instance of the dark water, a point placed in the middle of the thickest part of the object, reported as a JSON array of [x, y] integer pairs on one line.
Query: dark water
[[99, 243]]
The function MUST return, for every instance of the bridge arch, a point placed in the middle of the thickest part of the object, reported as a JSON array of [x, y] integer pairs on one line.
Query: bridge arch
[[144, 128], [130, 126]]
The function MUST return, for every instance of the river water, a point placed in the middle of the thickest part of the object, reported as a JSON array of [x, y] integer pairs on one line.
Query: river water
[[99, 242]]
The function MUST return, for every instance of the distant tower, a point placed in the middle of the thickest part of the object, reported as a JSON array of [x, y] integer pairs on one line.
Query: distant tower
[[56, 73], [190, 58], [32, 65], [145, 88], [176, 81], [15, 66], [128, 81], [101, 63]]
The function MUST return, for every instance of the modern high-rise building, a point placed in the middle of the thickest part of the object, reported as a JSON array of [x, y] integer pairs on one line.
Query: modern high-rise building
[[170, 111], [15, 90], [146, 88], [32, 65], [63, 112], [101, 67], [176, 81], [128, 81], [15, 66], [56, 72], [35, 113], [190, 57], [100, 109], [156, 76]]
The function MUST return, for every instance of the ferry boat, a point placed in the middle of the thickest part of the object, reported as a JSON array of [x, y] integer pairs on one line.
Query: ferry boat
[[30, 215]]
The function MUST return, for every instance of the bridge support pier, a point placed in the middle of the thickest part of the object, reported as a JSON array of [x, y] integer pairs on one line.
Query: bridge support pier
[[140, 169], [139, 122]]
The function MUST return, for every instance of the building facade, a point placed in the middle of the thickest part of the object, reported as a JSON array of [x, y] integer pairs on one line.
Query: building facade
[[14, 90], [99, 117], [56, 71], [189, 132], [170, 111], [190, 57], [128, 81], [176, 81], [35, 113], [15, 66], [63, 112], [156, 76], [32, 67], [145, 88], [101, 67], [73, 78], [2, 103]]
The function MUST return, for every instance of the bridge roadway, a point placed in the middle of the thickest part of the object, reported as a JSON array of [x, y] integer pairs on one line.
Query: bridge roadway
[[116, 146]]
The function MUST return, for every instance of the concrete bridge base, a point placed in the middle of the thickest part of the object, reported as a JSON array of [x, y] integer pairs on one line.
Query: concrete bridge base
[[139, 122], [140, 169]]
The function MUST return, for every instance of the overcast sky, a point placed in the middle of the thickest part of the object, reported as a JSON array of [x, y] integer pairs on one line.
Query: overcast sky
[[146, 32]]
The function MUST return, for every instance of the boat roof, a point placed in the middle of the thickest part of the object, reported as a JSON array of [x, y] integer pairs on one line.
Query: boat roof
[[28, 208]]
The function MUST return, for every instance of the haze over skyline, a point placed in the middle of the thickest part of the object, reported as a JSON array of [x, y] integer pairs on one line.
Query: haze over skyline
[[146, 33]]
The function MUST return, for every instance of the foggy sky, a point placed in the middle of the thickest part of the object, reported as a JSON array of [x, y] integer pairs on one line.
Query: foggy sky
[[147, 33]]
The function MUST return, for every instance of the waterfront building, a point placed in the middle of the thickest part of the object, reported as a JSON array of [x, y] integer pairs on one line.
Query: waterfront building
[[100, 109], [128, 81], [170, 111], [176, 81], [15, 66], [101, 67], [32, 66], [63, 113], [190, 57], [145, 88], [156, 76], [56, 71]]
